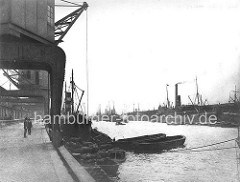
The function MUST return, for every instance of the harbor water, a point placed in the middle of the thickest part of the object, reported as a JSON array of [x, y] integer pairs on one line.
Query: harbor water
[[185, 166]]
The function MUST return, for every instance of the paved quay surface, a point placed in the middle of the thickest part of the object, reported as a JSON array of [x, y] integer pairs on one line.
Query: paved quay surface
[[31, 159]]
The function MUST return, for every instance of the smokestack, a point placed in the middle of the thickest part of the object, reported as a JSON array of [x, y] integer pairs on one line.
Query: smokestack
[[176, 95]]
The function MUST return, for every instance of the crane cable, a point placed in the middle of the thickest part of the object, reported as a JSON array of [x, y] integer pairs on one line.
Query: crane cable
[[87, 68], [4, 83]]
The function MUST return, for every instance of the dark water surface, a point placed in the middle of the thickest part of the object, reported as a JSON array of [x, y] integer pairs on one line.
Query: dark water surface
[[205, 166]]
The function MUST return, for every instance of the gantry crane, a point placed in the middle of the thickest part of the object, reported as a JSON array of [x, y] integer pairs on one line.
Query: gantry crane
[[62, 27]]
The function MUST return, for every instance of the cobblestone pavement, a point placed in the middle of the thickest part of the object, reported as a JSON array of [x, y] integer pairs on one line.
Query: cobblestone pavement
[[31, 159]]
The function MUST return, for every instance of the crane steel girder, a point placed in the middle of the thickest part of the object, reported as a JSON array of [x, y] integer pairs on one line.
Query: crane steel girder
[[17, 79], [10, 77], [21, 100], [24, 93], [63, 25]]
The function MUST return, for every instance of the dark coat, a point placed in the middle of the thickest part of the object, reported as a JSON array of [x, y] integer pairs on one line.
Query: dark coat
[[25, 124], [29, 124]]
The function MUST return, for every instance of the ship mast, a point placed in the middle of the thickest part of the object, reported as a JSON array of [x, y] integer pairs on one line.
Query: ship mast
[[72, 84], [168, 102], [197, 94]]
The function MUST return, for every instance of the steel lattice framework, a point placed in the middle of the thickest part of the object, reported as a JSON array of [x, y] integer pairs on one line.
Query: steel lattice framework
[[63, 25]]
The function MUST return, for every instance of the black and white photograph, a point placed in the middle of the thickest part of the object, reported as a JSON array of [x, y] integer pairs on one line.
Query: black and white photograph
[[119, 91]]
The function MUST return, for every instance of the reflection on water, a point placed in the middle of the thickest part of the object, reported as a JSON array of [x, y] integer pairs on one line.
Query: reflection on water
[[219, 166]]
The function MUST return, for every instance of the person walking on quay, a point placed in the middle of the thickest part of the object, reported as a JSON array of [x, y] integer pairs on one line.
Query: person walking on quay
[[25, 126], [29, 126]]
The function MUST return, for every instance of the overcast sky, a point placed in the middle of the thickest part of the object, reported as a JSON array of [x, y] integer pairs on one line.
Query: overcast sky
[[136, 47]]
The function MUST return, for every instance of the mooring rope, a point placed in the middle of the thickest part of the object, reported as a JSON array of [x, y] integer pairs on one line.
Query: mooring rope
[[204, 146], [203, 150], [194, 149]]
